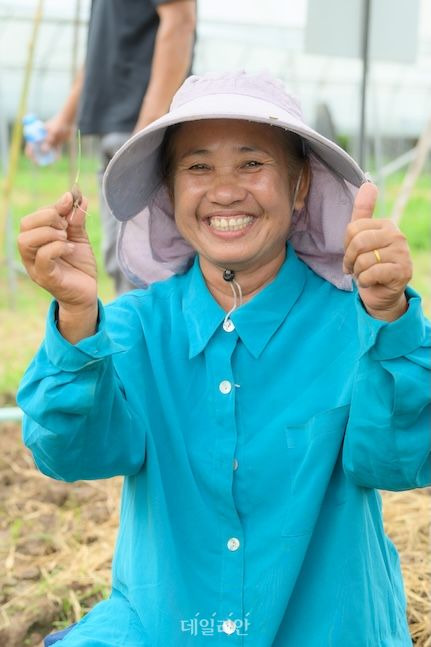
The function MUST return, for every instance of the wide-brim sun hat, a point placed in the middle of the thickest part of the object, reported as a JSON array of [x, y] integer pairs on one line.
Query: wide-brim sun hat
[[150, 247]]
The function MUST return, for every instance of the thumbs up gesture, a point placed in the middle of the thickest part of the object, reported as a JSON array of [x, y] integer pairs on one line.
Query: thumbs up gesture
[[378, 257]]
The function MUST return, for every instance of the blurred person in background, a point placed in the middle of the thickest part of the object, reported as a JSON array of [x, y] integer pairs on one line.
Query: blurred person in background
[[138, 54]]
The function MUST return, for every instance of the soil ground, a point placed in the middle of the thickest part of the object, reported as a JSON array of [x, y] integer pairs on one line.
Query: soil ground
[[56, 543]]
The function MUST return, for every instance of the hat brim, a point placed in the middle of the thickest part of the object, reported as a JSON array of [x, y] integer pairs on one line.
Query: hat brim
[[133, 174]]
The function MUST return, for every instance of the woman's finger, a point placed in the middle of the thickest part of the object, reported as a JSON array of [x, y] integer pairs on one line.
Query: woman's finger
[[48, 216], [76, 218], [46, 261], [30, 241], [391, 275], [65, 204], [373, 239]]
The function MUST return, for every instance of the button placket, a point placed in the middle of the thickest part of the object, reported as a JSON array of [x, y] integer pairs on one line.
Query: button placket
[[220, 365]]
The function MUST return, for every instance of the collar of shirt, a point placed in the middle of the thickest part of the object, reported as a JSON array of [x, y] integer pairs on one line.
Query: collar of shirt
[[256, 321]]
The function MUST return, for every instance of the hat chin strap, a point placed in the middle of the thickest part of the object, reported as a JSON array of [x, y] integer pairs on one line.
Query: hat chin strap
[[295, 193], [236, 291]]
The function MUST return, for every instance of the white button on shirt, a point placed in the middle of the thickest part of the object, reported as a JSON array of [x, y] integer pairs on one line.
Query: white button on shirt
[[233, 543], [229, 627], [235, 464], [228, 325], [225, 387]]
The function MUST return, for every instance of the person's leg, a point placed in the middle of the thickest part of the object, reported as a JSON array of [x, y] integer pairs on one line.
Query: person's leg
[[111, 623], [109, 144]]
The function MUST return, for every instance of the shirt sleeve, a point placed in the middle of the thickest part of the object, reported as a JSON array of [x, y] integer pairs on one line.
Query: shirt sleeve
[[388, 440], [70, 435]]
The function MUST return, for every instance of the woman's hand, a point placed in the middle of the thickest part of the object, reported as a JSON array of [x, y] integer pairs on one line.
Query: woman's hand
[[378, 256], [57, 255]]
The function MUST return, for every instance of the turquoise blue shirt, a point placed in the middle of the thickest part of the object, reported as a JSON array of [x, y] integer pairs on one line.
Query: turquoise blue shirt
[[252, 454]]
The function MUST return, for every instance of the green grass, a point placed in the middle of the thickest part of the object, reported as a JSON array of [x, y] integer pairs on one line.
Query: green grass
[[22, 327], [416, 225], [416, 220]]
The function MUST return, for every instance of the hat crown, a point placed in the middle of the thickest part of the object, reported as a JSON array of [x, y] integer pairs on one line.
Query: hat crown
[[257, 86]]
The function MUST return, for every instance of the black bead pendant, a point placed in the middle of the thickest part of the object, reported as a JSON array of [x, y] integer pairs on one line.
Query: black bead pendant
[[228, 275]]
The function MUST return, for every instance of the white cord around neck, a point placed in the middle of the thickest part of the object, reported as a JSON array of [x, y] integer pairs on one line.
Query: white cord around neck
[[237, 298]]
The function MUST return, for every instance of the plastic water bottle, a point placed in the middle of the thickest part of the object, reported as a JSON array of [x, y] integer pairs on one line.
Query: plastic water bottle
[[34, 132]]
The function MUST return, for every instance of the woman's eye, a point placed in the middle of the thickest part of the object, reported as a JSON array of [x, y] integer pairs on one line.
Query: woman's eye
[[253, 164], [198, 167]]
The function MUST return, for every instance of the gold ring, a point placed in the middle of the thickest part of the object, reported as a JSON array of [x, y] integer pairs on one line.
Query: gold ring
[[377, 255]]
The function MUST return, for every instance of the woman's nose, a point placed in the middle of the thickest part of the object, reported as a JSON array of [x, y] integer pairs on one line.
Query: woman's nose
[[225, 189]]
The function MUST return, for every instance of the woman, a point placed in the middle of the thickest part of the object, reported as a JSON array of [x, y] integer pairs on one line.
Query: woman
[[255, 400]]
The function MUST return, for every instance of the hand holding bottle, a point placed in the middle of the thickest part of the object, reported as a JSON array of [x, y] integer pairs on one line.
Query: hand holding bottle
[[38, 147]]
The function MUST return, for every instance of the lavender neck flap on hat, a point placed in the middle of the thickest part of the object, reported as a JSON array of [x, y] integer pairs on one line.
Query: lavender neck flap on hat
[[150, 247]]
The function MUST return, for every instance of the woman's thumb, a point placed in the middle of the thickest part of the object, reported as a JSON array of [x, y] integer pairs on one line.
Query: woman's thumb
[[64, 204]]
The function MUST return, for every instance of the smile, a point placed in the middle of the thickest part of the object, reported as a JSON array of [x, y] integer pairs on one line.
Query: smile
[[234, 223]]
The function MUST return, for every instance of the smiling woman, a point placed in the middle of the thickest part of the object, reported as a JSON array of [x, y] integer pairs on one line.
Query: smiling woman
[[256, 399], [233, 201]]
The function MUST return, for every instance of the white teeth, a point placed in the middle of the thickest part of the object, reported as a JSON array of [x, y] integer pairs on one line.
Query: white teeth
[[230, 224]]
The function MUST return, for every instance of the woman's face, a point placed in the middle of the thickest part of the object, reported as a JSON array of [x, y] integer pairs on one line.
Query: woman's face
[[231, 191]]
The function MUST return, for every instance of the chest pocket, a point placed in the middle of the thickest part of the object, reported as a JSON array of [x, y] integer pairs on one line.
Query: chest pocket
[[315, 469]]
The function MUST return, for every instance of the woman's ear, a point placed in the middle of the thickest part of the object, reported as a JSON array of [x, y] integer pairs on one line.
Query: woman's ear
[[304, 187]]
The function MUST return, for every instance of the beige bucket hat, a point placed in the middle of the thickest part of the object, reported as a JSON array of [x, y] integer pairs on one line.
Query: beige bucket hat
[[150, 248]]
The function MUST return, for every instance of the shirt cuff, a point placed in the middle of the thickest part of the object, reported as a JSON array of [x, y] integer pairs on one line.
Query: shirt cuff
[[74, 357], [388, 340]]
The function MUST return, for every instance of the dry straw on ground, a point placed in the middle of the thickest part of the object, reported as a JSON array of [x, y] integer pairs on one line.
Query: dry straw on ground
[[56, 543], [407, 522]]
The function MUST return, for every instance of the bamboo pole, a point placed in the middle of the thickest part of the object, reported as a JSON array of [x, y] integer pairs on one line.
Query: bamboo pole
[[15, 145], [413, 172], [73, 152]]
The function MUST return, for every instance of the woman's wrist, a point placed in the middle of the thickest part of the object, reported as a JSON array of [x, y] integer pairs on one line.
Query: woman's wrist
[[389, 314], [76, 322]]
